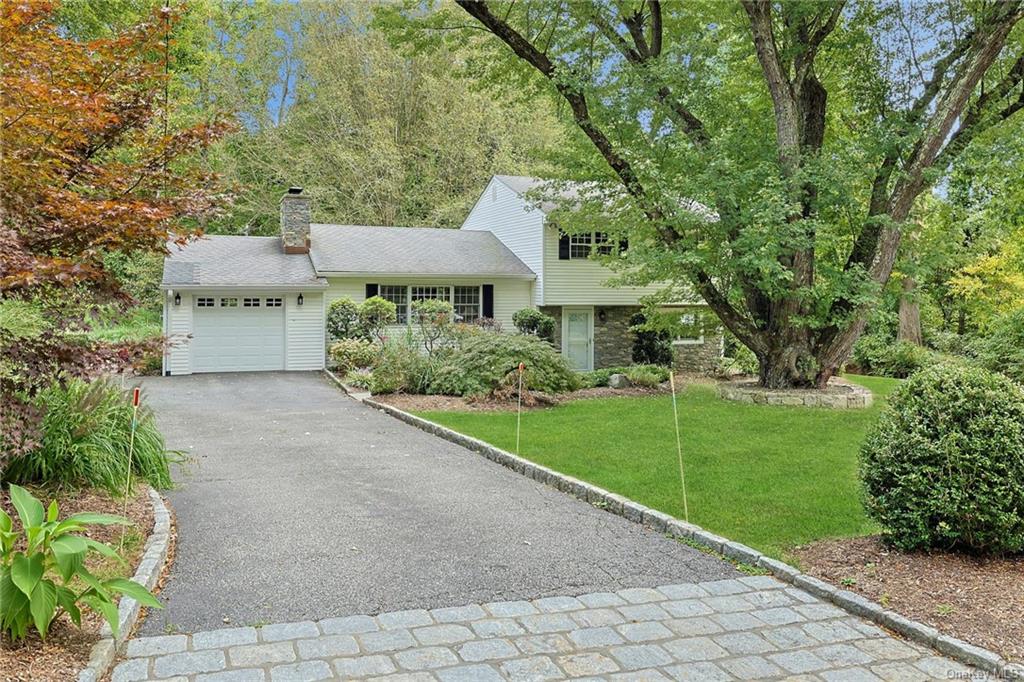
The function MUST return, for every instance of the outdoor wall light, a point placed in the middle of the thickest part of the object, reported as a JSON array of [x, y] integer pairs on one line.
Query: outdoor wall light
[[601, 315], [177, 299], [300, 299]]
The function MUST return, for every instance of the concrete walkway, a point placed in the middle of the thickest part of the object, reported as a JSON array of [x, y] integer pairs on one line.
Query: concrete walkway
[[301, 503], [746, 628]]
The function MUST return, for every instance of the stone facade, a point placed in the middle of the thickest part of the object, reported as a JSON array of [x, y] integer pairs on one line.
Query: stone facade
[[700, 358], [295, 218], [613, 341]]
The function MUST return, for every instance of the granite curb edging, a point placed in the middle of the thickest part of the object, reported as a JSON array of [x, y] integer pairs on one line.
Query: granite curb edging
[[147, 574], [851, 602]]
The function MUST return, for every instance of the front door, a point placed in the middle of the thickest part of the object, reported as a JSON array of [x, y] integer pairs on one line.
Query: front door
[[578, 337]]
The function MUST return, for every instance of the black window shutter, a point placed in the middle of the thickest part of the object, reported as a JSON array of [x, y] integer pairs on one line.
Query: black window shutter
[[371, 290], [563, 246], [488, 300], [623, 245]]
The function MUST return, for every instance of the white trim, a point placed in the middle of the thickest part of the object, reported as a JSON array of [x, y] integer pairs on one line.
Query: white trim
[[444, 277], [238, 287], [590, 339]]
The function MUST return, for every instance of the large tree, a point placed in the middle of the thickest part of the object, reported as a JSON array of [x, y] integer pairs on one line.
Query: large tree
[[805, 131], [90, 167]]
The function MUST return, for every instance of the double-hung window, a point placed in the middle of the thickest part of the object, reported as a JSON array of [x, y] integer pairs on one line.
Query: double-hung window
[[423, 293], [467, 304], [579, 245], [397, 295]]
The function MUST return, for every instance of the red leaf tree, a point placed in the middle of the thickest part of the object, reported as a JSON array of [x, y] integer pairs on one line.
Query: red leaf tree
[[89, 166]]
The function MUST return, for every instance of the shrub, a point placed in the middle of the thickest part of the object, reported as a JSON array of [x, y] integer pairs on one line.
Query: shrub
[[375, 314], [484, 361], [1002, 348], [343, 320], [648, 376], [944, 466], [39, 560], [533, 322], [434, 318], [350, 354], [650, 346], [86, 432], [881, 356], [599, 377]]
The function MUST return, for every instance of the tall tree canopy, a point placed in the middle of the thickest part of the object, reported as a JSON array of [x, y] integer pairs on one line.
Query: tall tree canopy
[[376, 136], [763, 154]]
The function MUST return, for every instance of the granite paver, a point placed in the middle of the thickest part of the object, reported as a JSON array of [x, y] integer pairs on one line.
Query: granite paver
[[822, 644]]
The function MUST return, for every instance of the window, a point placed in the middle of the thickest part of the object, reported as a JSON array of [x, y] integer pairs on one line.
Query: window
[[250, 303], [229, 303], [397, 295], [467, 304], [204, 302], [691, 332], [604, 246], [422, 293], [273, 303], [579, 245]]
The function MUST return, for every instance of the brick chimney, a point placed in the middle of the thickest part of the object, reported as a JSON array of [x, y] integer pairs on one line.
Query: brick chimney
[[295, 221]]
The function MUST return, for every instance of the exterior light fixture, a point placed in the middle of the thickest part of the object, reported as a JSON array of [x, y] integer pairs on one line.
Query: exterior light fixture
[[177, 298], [300, 299], [601, 315]]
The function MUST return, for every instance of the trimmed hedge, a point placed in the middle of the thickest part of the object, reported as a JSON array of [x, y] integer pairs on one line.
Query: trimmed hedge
[[944, 466]]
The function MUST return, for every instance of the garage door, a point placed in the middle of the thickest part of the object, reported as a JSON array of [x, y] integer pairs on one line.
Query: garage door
[[238, 333]]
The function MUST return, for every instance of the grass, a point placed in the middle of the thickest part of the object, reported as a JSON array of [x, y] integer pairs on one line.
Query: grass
[[769, 476], [138, 324]]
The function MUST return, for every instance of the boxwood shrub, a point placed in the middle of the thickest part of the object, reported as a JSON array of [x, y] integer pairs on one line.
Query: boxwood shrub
[[944, 465], [485, 361]]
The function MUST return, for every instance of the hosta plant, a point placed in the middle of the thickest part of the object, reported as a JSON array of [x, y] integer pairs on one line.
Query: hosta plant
[[43, 573]]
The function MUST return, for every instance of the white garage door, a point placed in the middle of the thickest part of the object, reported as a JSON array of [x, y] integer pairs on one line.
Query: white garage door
[[238, 333]]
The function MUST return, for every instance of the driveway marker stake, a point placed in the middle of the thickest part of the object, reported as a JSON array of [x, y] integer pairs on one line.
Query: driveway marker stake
[[519, 406], [131, 452], [679, 446]]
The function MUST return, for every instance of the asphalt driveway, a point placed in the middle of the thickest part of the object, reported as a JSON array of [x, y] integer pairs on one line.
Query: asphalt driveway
[[301, 503]]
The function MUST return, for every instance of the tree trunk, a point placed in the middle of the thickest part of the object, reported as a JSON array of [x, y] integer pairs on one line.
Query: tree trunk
[[789, 365], [910, 314]]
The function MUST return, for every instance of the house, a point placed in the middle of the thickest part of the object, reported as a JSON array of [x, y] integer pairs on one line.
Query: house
[[240, 303]]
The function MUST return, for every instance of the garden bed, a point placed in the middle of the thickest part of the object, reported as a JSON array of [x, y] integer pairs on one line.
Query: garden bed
[[448, 403], [66, 649], [978, 600]]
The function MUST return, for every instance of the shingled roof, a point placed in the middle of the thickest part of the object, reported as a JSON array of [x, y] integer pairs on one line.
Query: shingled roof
[[235, 261], [411, 251]]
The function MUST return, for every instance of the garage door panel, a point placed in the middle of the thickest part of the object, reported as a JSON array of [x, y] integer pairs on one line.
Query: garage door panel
[[238, 339]]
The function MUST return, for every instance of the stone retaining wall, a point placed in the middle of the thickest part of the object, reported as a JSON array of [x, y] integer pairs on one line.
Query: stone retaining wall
[[840, 395]]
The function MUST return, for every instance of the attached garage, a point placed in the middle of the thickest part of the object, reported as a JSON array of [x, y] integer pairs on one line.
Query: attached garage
[[240, 304]]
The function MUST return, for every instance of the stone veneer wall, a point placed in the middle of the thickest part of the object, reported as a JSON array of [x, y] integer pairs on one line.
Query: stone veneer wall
[[700, 358], [613, 341]]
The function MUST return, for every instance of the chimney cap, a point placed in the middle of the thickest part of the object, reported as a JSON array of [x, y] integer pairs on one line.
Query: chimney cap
[[294, 190]]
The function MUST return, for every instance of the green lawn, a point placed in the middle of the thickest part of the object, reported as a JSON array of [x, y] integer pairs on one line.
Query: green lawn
[[771, 477], [138, 324]]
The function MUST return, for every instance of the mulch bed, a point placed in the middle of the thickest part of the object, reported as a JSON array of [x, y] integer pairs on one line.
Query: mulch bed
[[66, 649], [447, 403], [978, 600]]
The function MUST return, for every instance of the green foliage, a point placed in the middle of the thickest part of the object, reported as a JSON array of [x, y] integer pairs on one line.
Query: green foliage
[[434, 318], [21, 319], [485, 362], [137, 324], [343, 320], [797, 466], [738, 359], [1001, 349], [375, 314], [139, 274], [42, 568], [648, 376], [881, 356], [599, 377], [944, 466], [86, 432], [534, 322], [350, 354], [652, 344]]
